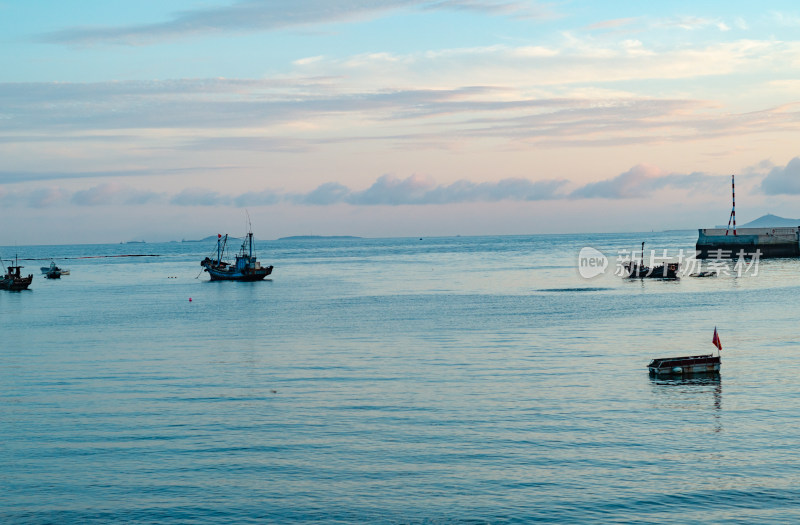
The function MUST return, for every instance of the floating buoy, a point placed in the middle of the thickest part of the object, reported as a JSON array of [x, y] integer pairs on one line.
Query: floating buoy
[[190, 299]]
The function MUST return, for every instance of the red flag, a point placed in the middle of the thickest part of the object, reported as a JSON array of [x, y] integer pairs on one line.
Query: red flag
[[716, 340]]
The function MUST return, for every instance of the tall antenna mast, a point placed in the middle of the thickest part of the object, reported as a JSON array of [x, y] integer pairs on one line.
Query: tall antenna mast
[[733, 209]]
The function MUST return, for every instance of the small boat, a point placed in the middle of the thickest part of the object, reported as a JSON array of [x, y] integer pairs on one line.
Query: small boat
[[637, 269], [688, 365], [682, 366], [245, 268], [52, 271], [13, 280]]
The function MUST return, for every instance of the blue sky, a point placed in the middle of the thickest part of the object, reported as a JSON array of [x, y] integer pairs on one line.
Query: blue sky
[[165, 120]]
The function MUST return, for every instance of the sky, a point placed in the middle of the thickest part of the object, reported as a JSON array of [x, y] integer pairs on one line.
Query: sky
[[159, 121]]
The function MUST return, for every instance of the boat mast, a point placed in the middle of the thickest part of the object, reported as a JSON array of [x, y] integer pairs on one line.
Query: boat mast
[[219, 240], [249, 232], [641, 264]]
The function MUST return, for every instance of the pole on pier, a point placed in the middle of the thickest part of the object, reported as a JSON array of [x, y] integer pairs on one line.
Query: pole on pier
[[733, 208]]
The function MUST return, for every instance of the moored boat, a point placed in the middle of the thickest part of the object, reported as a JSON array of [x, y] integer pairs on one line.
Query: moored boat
[[637, 269], [688, 365], [52, 271], [13, 279], [245, 268], [682, 366]]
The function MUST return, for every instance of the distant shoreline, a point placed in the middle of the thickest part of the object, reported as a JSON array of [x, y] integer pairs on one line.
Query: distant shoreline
[[312, 237]]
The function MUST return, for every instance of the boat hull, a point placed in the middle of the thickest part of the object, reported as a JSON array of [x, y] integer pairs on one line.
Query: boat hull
[[636, 271], [224, 275], [685, 366], [15, 284]]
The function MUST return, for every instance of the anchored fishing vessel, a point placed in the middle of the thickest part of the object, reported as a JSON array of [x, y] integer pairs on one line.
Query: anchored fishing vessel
[[637, 269], [689, 365], [13, 280], [245, 268], [52, 271]]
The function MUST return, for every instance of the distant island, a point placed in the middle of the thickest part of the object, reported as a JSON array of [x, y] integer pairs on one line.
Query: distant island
[[772, 221], [768, 221], [213, 238], [310, 237], [210, 238]]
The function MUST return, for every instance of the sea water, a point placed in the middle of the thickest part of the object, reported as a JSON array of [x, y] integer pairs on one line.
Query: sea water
[[419, 380]]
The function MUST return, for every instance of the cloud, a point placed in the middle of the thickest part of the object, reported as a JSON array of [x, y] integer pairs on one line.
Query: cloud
[[633, 183], [518, 189], [243, 143], [248, 16], [45, 197], [200, 197], [783, 180], [325, 194], [517, 9], [691, 23], [523, 95], [8, 177], [257, 198], [389, 190], [113, 193], [243, 16], [613, 24], [641, 181]]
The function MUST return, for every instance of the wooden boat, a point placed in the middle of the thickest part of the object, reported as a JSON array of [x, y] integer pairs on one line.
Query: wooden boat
[[683, 366], [637, 269], [245, 268], [13, 279], [688, 365]]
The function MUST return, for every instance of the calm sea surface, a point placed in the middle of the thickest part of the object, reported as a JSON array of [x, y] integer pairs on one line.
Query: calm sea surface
[[435, 380]]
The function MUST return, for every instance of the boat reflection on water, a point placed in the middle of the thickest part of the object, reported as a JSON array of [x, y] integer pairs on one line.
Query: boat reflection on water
[[689, 394], [708, 378]]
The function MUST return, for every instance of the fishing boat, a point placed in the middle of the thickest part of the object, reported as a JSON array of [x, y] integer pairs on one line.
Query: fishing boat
[[637, 269], [52, 271], [13, 279], [688, 365], [245, 268]]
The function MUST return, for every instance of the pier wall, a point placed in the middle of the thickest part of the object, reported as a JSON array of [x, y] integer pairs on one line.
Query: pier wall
[[770, 242]]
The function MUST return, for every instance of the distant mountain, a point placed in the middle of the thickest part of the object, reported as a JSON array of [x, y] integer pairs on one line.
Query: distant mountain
[[210, 238], [771, 221]]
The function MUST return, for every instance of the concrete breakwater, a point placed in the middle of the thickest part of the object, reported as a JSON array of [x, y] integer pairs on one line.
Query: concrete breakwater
[[767, 242]]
